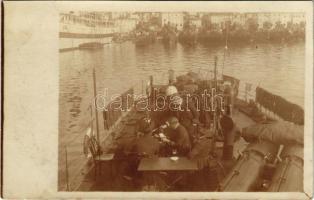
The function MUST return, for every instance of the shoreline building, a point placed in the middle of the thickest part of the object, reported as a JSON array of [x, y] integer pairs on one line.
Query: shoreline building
[[126, 25], [282, 18], [175, 19], [298, 18], [195, 21]]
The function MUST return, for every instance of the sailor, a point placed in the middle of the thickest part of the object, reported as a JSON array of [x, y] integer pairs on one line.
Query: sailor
[[228, 94], [170, 91], [178, 136], [189, 117], [184, 110], [146, 144], [227, 126]]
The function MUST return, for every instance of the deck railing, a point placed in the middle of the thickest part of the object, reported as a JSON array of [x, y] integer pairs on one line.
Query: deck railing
[[272, 105], [73, 163]]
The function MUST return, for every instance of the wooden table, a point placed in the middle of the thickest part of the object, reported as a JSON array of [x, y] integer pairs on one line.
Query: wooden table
[[166, 164], [182, 166]]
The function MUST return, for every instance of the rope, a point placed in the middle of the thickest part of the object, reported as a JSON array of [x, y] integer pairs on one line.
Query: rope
[[226, 48]]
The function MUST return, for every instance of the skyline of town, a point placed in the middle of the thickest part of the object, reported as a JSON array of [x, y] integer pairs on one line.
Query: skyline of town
[[128, 20]]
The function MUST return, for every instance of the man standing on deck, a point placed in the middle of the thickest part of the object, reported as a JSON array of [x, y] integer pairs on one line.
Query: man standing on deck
[[227, 126]]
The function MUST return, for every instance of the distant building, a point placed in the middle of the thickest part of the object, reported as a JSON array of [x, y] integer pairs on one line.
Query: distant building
[[196, 22], [297, 18], [283, 18], [173, 19], [134, 16], [220, 19], [115, 15], [238, 18], [125, 25], [144, 16], [263, 18]]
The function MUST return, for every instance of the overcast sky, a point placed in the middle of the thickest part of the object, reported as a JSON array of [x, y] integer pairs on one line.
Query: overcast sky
[[199, 6]]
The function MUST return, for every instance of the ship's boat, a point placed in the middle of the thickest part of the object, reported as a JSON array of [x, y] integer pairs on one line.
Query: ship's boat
[[144, 39], [188, 37], [91, 46], [169, 36], [211, 37]]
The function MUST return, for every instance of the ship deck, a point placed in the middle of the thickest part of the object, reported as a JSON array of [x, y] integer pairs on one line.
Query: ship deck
[[113, 177]]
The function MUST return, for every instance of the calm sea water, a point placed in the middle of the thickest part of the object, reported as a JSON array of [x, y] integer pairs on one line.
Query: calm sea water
[[276, 67]]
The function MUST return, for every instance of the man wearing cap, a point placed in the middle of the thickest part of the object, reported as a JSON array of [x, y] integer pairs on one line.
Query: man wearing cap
[[178, 136], [184, 110]]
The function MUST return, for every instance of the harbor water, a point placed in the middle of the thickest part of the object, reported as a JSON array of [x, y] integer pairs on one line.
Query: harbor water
[[278, 68]]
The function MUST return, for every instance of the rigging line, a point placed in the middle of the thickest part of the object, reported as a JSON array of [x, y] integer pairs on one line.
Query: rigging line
[[225, 48]]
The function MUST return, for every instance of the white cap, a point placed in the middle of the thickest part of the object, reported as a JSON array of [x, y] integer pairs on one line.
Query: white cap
[[89, 132], [171, 90], [176, 99], [227, 83]]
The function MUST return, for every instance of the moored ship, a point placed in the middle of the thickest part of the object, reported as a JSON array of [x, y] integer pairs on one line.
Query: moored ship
[[86, 30]]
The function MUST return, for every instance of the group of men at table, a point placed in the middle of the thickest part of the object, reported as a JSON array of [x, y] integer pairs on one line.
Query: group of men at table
[[177, 127], [173, 132], [176, 130]]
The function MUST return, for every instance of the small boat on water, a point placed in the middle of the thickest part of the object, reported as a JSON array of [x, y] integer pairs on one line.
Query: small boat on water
[[188, 38], [169, 38], [263, 153], [169, 35], [144, 38], [91, 46]]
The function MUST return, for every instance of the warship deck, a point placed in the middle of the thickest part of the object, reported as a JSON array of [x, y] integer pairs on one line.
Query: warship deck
[[114, 178]]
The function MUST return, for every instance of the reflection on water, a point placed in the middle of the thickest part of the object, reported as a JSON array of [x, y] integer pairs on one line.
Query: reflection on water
[[278, 68]]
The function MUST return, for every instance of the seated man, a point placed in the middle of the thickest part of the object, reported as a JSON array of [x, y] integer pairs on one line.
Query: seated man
[[178, 136], [146, 144], [185, 111]]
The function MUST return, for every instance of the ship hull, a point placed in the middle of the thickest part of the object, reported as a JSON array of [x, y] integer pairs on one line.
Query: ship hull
[[72, 41]]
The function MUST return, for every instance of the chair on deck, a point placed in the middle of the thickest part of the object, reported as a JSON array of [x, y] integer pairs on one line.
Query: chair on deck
[[98, 156]]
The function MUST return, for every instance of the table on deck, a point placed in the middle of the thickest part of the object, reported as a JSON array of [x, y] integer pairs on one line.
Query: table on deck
[[166, 164], [182, 166]]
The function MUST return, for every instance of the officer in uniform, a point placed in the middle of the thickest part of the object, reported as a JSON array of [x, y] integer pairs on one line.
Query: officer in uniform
[[178, 136]]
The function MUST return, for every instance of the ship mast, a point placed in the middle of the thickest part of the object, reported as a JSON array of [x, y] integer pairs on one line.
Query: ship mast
[[215, 73], [226, 48], [215, 117]]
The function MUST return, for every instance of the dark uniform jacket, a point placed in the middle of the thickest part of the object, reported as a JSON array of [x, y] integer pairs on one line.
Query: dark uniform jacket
[[147, 144], [181, 138], [186, 116]]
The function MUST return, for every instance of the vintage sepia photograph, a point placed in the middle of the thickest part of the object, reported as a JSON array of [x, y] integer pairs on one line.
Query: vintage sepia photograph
[[181, 101]]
